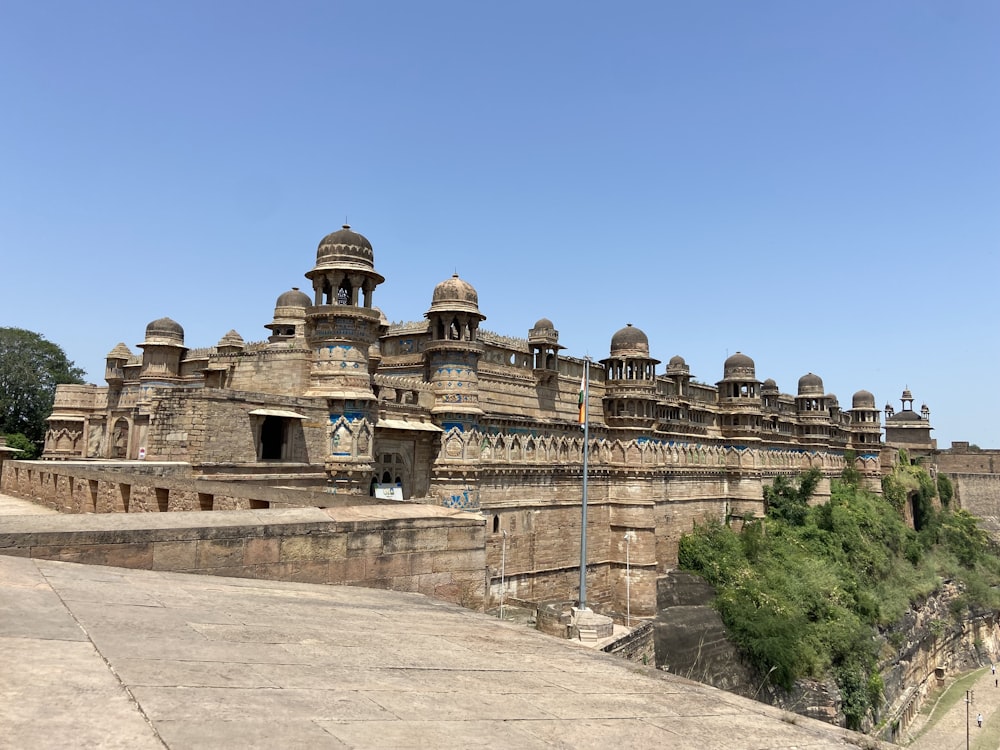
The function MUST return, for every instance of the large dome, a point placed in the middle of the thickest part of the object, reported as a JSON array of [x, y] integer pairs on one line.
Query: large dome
[[863, 400], [739, 365], [630, 341], [293, 298], [164, 331], [810, 384], [345, 249], [455, 295]]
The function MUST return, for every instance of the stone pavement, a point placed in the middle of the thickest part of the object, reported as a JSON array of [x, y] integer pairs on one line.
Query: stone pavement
[[102, 657]]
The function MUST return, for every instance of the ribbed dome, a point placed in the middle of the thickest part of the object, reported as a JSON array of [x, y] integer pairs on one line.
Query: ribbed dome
[[863, 400], [164, 331], [810, 384], [345, 249], [455, 295], [630, 341], [293, 298], [739, 365]]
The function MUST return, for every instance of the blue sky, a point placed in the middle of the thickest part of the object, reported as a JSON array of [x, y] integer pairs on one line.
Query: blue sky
[[815, 184]]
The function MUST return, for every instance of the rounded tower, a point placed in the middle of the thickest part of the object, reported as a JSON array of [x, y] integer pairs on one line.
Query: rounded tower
[[452, 353], [543, 341], [740, 412], [289, 317], [630, 381], [340, 327], [812, 409], [162, 350], [866, 425]]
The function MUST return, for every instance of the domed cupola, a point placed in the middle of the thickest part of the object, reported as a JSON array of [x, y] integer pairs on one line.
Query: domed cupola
[[739, 399], [453, 351], [810, 384], [863, 400], [165, 332], [812, 407], [162, 350], [344, 273], [340, 327], [630, 342], [630, 381], [455, 295], [739, 367], [677, 366], [345, 249], [866, 423], [811, 398], [289, 316], [543, 341]]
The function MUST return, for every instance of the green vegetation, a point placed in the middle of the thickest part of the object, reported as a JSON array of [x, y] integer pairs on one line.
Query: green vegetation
[[30, 369], [805, 590], [28, 449]]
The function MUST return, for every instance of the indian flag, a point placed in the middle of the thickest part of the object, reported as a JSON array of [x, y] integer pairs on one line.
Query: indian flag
[[583, 399]]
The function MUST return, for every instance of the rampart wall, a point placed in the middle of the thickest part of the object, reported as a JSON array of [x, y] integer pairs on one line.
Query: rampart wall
[[404, 548]]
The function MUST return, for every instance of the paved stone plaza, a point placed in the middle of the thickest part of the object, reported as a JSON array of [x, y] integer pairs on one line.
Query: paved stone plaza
[[113, 658]]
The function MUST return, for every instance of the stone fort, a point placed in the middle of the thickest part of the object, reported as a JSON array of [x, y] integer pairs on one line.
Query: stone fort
[[441, 411]]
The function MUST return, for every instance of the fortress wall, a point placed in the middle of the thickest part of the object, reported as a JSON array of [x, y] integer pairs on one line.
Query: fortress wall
[[403, 548], [216, 426], [968, 462], [980, 495], [270, 370]]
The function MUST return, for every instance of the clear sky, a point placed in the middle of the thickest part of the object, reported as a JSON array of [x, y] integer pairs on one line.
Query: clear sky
[[815, 184]]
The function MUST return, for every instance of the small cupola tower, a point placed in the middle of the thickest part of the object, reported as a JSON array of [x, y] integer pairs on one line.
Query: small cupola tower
[[289, 317], [543, 341], [452, 353], [630, 381], [340, 327], [740, 412], [162, 350], [812, 411], [866, 426]]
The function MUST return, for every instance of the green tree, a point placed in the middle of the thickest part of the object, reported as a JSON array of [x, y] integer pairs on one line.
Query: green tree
[[28, 449], [30, 369]]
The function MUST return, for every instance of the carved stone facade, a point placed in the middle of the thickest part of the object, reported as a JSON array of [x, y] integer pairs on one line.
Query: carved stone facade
[[443, 411]]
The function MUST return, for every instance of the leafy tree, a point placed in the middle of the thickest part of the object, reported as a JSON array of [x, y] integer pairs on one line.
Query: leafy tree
[[790, 502], [30, 369], [28, 449]]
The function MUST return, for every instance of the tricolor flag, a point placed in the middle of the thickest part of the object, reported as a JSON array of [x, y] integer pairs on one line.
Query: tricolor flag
[[583, 399]]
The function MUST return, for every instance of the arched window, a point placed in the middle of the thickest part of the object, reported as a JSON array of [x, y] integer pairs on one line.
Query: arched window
[[496, 524]]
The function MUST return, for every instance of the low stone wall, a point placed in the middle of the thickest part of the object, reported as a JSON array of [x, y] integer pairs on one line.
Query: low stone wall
[[638, 646], [414, 548], [144, 486]]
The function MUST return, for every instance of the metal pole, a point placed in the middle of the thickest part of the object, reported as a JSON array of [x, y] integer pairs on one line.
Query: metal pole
[[968, 700], [503, 566], [586, 451], [628, 583]]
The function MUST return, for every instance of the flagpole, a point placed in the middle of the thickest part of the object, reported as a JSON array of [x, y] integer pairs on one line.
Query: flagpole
[[586, 452]]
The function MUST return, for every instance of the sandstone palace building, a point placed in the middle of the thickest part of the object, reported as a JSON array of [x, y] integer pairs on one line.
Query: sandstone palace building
[[445, 412]]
